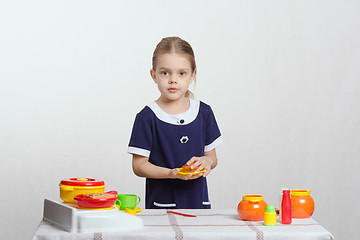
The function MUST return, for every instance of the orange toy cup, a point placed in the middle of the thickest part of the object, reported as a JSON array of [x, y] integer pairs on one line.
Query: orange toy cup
[[302, 203], [252, 208]]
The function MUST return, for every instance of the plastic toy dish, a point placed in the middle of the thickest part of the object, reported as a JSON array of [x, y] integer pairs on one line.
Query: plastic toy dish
[[95, 203], [105, 208], [137, 209], [73, 205], [182, 173]]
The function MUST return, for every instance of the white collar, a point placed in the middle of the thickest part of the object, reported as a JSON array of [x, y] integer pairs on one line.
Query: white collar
[[178, 119]]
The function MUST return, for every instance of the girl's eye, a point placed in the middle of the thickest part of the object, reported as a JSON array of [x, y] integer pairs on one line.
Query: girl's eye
[[164, 73], [182, 74]]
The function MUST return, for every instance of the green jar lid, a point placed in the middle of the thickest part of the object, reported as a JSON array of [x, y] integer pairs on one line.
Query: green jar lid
[[270, 209]]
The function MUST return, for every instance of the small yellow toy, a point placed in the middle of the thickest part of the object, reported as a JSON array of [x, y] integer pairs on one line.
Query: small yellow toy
[[270, 216], [130, 211]]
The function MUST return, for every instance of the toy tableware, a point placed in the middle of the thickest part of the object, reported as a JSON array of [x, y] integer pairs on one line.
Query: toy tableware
[[130, 211], [270, 216], [182, 173], [286, 208], [302, 203], [86, 202], [181, 214], [252, 208], [136, 209], [69, 188], [127, 201]]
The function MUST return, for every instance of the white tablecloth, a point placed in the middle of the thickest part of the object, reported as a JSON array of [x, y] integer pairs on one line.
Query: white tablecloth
[[209, 224]]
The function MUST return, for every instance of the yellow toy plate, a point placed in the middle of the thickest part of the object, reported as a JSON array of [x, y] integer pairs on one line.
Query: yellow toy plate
[[137, 209], [182, 173]]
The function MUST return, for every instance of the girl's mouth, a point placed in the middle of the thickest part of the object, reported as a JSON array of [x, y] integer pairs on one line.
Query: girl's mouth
[[172, 90]]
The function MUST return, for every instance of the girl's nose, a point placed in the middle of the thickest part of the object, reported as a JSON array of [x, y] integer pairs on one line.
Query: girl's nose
[[173, 79]]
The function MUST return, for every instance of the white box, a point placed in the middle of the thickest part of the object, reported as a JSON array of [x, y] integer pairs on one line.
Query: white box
[[73, 220]]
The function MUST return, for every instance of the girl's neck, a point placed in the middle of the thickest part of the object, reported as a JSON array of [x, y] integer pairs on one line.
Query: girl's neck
[[174, 107]]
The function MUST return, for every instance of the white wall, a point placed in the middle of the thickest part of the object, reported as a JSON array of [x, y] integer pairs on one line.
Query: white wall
[[281, 76]]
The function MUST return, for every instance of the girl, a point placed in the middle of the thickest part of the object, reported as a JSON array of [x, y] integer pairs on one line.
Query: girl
[[174, 130]]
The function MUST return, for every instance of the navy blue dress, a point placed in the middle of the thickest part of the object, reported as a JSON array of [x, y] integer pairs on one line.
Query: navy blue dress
[[170, 141]]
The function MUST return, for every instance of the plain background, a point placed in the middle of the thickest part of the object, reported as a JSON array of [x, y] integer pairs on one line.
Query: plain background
[[282, 77]]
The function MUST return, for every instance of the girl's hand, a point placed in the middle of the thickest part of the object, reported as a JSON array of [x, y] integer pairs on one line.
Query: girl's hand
[[208, 161], [201, 163], [174, 174]]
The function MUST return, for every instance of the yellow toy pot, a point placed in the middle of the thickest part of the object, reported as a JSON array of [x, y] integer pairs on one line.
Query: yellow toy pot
[[71, 187]]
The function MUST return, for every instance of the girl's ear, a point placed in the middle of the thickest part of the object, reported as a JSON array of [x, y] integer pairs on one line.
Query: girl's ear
[[153, 75], [193, 76]]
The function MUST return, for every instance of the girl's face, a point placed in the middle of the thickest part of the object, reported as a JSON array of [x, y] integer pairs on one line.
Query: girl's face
[[173, 75]]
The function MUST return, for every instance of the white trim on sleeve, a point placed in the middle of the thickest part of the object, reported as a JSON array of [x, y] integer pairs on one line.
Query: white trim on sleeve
[[214, 144], [206, 203], [139, 151]]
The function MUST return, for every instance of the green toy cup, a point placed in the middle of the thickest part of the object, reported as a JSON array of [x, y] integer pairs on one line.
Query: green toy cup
[[127, 201]]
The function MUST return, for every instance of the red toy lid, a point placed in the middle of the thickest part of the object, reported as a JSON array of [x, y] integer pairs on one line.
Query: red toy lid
[[85, 182]]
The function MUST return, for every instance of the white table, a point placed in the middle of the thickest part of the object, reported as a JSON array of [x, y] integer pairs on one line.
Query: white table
[[209, 224]]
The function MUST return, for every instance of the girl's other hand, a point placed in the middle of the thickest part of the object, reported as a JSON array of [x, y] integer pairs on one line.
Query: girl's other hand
[[201, 163], [208, 161]]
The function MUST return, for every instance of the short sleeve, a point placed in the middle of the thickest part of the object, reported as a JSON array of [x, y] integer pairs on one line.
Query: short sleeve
[[141, 138], [213, 136]]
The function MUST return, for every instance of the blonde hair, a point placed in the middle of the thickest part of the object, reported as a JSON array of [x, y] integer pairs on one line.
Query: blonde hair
[[175, 45]]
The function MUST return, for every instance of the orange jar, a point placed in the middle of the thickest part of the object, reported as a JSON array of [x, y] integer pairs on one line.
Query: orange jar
[[302, 203], [252, 208]]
